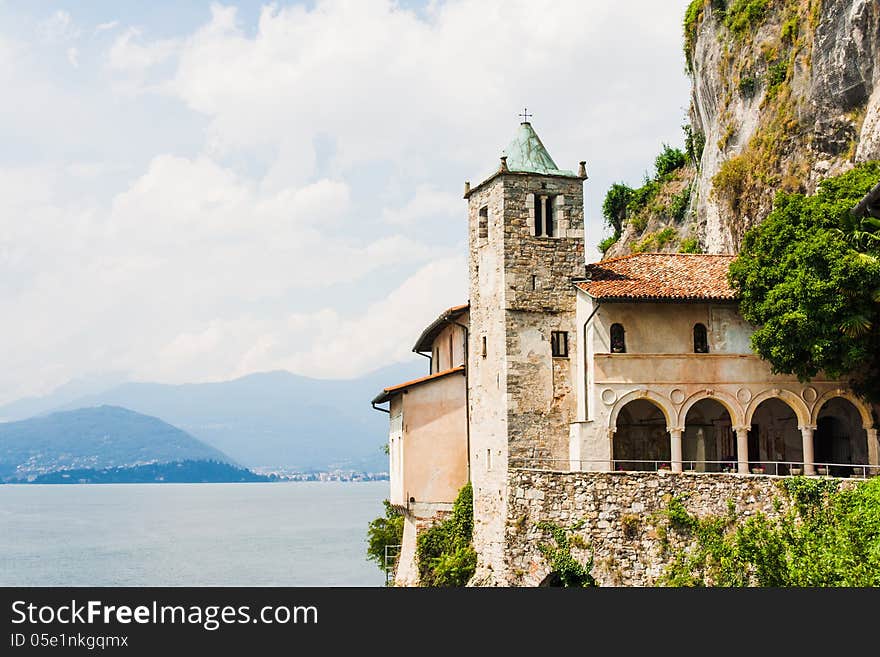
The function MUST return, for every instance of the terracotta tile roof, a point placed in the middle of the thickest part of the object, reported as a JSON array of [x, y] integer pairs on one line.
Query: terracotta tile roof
[[388, 393], [426, 339], [660, 277]]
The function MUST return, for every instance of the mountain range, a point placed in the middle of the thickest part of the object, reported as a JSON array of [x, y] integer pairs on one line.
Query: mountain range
[[272, 419]]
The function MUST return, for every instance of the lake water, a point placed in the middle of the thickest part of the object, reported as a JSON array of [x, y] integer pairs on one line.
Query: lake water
[[278, 534]]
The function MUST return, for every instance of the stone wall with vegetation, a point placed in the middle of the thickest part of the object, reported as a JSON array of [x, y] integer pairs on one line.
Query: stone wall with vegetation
[[620, 517]]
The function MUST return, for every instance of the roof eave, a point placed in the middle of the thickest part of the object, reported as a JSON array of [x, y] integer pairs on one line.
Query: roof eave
[[522, 173]]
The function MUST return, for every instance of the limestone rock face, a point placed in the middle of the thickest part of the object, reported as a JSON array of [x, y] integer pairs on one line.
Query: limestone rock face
[[784, 103]]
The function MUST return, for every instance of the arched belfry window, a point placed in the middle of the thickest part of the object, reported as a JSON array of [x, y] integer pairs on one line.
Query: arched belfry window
[[618, 339], [701, 339]]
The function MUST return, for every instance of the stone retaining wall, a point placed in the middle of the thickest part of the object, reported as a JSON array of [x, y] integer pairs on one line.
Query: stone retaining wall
[[620, 515]]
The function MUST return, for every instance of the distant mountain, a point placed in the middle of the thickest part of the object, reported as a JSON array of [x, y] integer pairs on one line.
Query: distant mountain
[[180, 472], [274, 419], [94, 438]]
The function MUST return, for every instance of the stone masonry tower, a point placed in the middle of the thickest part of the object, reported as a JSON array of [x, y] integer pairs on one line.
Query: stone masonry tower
[[526, 244]]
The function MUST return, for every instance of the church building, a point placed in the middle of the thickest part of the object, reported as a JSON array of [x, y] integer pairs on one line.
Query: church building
[[636, 363]]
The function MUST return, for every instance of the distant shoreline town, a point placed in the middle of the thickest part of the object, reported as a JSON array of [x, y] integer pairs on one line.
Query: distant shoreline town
[[282, 474]]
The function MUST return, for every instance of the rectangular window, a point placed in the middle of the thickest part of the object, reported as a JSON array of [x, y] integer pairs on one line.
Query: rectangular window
[[534, 282], [484, 222], [559, 344], [544, 215], [539, 215], [484, 346]]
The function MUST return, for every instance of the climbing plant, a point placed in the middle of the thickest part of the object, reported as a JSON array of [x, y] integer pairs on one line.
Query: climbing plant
[[563, 565], [444, 552]]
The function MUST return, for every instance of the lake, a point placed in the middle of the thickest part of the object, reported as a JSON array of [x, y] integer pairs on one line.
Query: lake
[[278, 534]]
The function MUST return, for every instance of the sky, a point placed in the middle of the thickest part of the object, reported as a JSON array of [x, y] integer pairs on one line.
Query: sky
[[194, 191]]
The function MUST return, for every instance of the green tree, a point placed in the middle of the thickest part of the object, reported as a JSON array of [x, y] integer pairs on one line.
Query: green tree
[[614, 207], [385, 530], [808, 277]]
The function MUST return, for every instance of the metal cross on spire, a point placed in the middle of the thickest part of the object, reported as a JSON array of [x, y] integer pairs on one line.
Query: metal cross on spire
[[525, 115]]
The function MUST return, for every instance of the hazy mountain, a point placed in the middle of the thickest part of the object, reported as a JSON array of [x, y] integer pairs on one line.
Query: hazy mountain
[[94, 438], [268, 419]]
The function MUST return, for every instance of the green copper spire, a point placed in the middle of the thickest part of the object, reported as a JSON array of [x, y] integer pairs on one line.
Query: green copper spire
[[527, 154]]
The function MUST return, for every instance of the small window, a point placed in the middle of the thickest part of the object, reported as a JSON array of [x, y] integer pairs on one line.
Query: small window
[[484, 346], [484, 222], [618, 339], [701, 339], [559, 344], [534, 282], [544, 215]]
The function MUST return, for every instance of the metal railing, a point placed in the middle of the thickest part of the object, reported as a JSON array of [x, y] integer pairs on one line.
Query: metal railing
[[392, 554], [773, 468]]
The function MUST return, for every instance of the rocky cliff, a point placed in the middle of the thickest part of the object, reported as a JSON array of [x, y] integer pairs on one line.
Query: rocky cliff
[[784, 94]]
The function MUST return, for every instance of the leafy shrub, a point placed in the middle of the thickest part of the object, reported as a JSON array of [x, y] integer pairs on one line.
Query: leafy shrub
[[694, 142], [607, 243], [776, 74], [669, 160], [679, 205], [747, 86], [641, 197], [828, 537], [742, 15], [382, 531], [444, 553], [690, 245], [665, 236]]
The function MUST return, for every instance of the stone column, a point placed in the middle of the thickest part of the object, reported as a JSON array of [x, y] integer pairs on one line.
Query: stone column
[[807, 433], [873, 450], [675, 447], [742, 449], [611, 464]]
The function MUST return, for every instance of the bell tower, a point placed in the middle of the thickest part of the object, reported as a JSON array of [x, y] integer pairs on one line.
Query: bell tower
[[526, 244]]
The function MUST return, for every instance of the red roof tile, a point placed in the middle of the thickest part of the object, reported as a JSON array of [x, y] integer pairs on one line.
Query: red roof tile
[[387, 393], [426, 339], [660, 277]]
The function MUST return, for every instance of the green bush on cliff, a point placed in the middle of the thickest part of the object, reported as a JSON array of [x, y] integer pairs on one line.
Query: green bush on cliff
[[742, 15], [568, 571], [828, 537], [444, 553], [808, 277]]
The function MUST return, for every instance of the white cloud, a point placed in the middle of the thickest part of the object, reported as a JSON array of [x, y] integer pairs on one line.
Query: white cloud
[[129, 54], [58, 28], [288, 194], [426, 203], [104, 27]]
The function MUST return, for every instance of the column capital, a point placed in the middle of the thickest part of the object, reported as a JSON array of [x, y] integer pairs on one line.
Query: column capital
[[674, 429], [811, 427], [742, 427]]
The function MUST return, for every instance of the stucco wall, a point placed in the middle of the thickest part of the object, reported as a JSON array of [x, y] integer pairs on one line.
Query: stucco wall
[[630, 553], [667, 328], [449, 346], [435, 440]]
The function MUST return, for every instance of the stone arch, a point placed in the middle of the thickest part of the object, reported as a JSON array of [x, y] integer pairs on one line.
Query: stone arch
[[797, 405], [867, 420], [729, 402], [649, 395]]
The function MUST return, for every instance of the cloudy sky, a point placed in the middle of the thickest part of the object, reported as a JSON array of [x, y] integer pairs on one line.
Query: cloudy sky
[[193, 191]]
